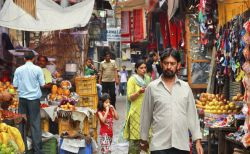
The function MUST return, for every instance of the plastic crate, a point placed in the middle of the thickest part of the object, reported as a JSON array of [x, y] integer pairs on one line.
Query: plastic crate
[[88, 101], [86, 86], [48, 147]]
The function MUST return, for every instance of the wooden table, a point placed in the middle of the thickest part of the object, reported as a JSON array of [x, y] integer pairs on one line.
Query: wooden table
[[221, 132]]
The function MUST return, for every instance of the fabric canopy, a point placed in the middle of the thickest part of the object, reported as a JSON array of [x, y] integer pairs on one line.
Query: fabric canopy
[[49, 16]]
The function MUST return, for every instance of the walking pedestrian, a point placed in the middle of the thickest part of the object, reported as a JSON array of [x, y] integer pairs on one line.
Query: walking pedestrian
[[28, 79], [169, 110], [137, 84], [123, 81], [109, 77], [106, 114], [156, 69]]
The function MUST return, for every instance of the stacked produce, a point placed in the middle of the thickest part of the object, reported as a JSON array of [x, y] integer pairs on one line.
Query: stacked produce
[[10, 140], [61, 92], [68, 104], [216, 104], [6, 86]]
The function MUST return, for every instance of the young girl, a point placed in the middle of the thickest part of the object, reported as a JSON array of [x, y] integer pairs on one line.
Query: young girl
[[106, 113]]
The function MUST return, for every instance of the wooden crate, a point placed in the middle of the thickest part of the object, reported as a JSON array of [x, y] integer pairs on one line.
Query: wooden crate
[[67, 125], [89, 126], [86, 86], [88, 101]]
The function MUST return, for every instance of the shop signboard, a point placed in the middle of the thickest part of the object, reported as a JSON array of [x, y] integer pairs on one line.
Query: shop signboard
[[113, 34]]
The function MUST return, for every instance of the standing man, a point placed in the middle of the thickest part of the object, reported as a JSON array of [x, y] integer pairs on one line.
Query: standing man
[[169, 110], [28, 79], [109, 77], [42, 61], [123, 80]]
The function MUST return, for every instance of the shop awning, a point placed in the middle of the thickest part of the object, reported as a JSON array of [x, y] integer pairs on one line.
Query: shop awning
[[131, 4], [49, 16]]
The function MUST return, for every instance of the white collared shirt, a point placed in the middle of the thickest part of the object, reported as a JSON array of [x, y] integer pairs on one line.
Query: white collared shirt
[[170, 114]]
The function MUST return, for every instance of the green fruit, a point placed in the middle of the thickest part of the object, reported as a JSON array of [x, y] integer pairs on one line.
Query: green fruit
[[4, 146]]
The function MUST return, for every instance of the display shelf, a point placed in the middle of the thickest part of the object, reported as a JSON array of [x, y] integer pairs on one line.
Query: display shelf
[[197, 58]]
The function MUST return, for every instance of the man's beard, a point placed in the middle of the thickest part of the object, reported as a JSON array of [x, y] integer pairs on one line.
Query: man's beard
[[169, 74]]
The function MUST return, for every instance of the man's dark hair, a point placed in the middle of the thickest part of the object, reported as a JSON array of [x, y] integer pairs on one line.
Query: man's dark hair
[[29, 55], [171, 52], [106, 51], [152, 54], [41, 56]]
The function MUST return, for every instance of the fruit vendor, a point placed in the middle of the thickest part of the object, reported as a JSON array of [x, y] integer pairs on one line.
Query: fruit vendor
[[42, 61], [28, 79]]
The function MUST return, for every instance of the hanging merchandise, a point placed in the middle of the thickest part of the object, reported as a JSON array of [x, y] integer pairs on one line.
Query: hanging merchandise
[[246, 83], [208, 20]]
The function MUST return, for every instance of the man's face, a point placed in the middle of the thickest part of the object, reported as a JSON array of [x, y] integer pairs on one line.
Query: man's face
[[169, 67], [107, 57], [155, 58], [88, 63], [42, 62]]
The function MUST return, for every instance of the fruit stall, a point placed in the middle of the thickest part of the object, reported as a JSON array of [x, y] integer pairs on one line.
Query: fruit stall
[[11, 141], [74, 112]]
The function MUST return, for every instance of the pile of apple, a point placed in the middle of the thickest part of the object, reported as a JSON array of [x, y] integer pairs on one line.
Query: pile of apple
[[216, 104], [68, 104], [7, 86]]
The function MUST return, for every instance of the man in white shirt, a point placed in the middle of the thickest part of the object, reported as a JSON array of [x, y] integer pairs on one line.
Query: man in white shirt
[[169, 110], [123, 80]]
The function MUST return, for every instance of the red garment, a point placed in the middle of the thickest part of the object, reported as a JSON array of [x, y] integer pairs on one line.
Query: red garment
[[107, 127], [163, 24], [175, 29], [138, 25]]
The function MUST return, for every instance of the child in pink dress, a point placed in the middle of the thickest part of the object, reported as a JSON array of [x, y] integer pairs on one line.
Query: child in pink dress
[[106, 113]]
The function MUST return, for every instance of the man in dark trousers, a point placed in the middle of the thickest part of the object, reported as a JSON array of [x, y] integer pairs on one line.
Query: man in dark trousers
[[109, 77], [28, 79]]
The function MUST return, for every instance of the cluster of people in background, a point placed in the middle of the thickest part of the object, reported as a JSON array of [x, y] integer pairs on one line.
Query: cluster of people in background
[[160, 108]]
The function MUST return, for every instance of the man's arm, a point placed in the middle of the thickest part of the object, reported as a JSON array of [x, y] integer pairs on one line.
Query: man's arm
[[116, 74], [101, 73], [146, 114], [41, 78], [194, 123]]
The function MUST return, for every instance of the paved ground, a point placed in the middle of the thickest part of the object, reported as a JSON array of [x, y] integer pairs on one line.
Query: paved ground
[[117, 147]]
